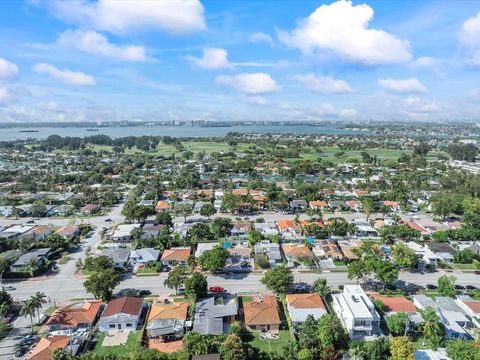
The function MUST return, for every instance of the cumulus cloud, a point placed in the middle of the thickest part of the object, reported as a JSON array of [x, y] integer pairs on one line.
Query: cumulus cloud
[[67, 76], [470, 33], [342, 28], [7, 69], [9, 95], [120, 17], [257, 100], [93, 42], [249, 83], [416, 105], [411, 85], [261, 37], [323, 84], [212, 59]]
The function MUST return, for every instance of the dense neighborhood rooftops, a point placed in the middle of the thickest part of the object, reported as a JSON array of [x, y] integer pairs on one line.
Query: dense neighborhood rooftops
[[46, 346]]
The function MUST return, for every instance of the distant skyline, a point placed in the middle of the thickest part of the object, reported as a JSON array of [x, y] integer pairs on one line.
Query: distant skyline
[[279, 60]]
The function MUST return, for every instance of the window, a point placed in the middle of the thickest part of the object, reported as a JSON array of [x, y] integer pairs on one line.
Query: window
[[112, 326], [129, 325]]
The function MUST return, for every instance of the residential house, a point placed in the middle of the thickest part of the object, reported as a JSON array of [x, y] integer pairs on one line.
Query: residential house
[[241, 228], [354, 205], [267, 228], [47, 345], [395, 304], [326, 248], [15, 231], [123, 232], [202, 247], [150, 231], [300, 306], [167, 320], [393, 205], [163, 205], [289, 229], [63, 210], [119, 256], [239, 258], [455, 321], [89, 209], [76, 316], [214, 316], [122, 314], [262, 313], [336, 205], [318, 205], [364, 229], [298, 205], [298, 255], [469, 305], [443, 250], [144, 256], [356, 312], [176, 256], [38, 257], [68, 232], [271, 251]]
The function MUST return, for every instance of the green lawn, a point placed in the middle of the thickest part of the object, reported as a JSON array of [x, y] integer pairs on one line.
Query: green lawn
[[133, 344], [271, 345], [465, 266], [65, 259]]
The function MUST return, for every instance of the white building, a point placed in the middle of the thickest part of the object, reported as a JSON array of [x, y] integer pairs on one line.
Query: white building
[[357, 312]]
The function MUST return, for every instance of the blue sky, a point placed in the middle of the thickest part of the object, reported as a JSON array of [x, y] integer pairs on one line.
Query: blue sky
[[151, 60]]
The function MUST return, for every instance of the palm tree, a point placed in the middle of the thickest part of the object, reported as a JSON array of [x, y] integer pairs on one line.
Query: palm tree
[[39, 299], [320, 286], [28, 309], [431, 327]]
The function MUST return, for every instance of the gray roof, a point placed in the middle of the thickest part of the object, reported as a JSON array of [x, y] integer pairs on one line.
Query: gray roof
[[164, 326], [209, 316], [146, 254], [34, 254], [117, 255]]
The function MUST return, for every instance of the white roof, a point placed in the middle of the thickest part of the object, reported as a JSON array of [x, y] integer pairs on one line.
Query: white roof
[[202, 247], [358, 302]]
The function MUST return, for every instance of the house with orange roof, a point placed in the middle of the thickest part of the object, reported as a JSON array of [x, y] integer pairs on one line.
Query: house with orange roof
[[301, 305], [262, 313], [176, 256], [318, 205], [76, 316], [296, 254], [469, 305], [360, 192], [163, 205], [240, 192], [393, 205], [354, 205], [289, 229], [395, 304], [167, 320], [327, 192], [260, 201], [47, 345]]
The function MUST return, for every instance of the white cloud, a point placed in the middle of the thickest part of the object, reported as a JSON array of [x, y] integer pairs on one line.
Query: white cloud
[[411, 85], [470, 33], [249, 83], [415, 105], [348, 114], [94, 43], [343, 29], [7, 69], [120, 17], [67, 76], [261, 37], [324, 84], [12, 94], [213, 58], [257, 100]]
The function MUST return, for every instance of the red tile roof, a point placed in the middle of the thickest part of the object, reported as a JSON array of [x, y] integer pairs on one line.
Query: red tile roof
[[74, 316], [396, 303], [125, 305], [46, 346]]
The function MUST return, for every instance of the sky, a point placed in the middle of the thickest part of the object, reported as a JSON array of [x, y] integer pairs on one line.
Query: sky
[[230, 60]]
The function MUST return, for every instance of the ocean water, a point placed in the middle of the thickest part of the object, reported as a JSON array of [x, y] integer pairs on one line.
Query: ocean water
[[174, 131]]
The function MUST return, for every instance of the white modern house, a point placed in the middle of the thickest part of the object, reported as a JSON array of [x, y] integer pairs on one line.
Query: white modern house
[[121, 314], [357, 313]]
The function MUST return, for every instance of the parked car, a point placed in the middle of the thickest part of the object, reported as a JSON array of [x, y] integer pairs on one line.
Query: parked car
[[31, 222], [470, 287], [181, 291], [431, 287], [477, 272], [144, 292], [9, 287], [108, 220], [217, 289], [459, 287]]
